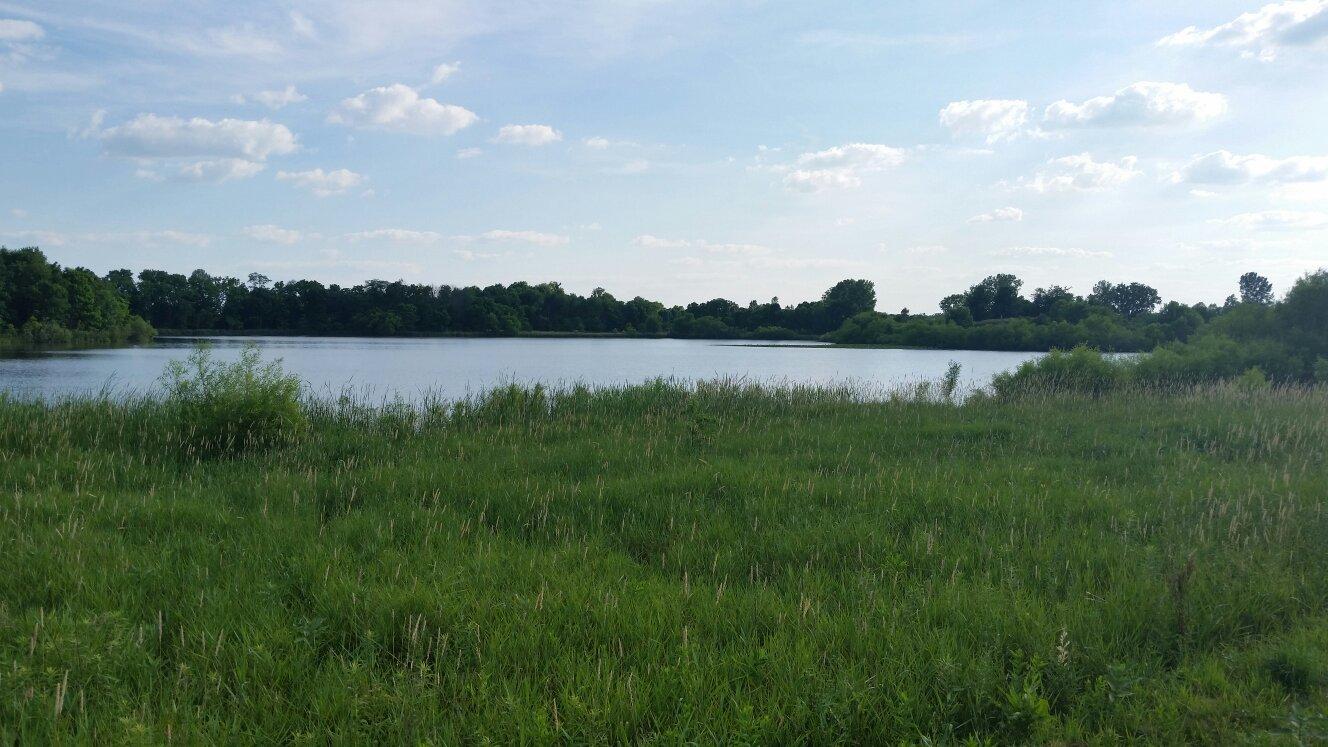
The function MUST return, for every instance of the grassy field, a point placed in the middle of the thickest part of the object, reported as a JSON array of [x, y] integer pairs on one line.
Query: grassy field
[[656, 564]]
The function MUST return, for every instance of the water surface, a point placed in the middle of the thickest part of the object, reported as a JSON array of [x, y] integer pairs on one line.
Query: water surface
[[454, 367]]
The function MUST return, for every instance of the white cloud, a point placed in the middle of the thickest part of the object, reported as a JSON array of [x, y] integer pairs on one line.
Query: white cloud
[[647, 241], [469, 153], [841, 166], [924, 249], [1082, 173], [1049, 251], [535, 134], [994, 119], [218, 170], [528, 237], [655, 242], [152, 136], [1224, 167], [273, 234], [1278, 220], [323, 183], [1291, 23], [1142, 104], [399, 108], [15, 30], [444, 71], [396, 235], [999, 215], [598, 143], [278, 99], [169, 236]]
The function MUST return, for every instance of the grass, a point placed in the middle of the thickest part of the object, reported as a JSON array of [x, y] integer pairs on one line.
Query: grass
[[665, 564]]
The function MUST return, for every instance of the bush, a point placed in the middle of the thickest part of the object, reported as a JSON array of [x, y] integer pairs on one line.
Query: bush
[[233, 407], [1082, 370]]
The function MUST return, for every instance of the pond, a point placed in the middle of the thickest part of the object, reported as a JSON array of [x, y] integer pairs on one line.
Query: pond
[[454, 367]]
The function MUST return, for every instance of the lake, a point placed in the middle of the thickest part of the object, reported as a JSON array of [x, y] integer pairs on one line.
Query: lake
[[454, 367]]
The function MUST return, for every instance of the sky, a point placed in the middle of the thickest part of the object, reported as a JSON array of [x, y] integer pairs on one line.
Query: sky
[[676, 149]]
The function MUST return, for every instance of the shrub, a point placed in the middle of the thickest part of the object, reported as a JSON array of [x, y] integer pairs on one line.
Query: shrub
[[1253, 379], [1082, 370], [232, 407]]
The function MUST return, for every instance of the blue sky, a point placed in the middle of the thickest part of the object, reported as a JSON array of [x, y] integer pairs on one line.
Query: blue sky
[[673, 149]]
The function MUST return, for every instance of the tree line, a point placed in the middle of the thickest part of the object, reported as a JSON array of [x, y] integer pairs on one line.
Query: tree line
[[42, 302]]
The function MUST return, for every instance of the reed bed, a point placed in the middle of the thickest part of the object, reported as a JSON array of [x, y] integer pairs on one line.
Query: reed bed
[[664, 563]]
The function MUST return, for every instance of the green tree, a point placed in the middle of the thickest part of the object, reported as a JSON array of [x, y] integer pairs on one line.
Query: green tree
[[1255, 288], [846, 298]]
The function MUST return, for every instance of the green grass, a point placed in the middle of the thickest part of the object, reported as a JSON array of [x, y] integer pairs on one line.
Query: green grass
[[727, 564]]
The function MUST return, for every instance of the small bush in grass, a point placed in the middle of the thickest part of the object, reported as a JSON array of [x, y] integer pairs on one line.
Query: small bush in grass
[[1254, 379], [1082, 370], [230, 407]]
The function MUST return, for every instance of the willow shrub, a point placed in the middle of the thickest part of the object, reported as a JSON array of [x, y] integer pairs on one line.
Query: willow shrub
[[224, 407]]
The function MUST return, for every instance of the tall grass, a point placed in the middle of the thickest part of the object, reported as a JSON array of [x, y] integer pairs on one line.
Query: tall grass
[[668, 563]]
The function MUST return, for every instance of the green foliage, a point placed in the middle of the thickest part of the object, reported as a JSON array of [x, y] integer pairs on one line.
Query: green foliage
[[43, 304], [673, 565], [1081, 370], [226, 408]]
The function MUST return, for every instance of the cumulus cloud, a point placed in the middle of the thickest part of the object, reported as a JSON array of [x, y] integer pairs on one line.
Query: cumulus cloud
[[444, 71], [1292, 23], [152, 136], [218, 170], [323, 183], [278, 99], [1142, 104], [841, 166], [999, 215], [994, 119], [194, 150], [273, 234], [1224, 167], [15, 30], [1082, 173], [400, 108], [533, 135], [598, 143], [1279, 220], [1049, 251]]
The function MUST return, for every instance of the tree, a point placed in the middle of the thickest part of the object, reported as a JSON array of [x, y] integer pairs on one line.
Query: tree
[[846, 298], [1255, 288], [1046, 299], [1127, 299]]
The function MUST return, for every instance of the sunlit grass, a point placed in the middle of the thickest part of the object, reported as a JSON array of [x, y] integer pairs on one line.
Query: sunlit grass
[[709, 563]]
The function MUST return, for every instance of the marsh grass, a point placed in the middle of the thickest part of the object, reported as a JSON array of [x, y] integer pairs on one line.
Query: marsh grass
[[668, 563]]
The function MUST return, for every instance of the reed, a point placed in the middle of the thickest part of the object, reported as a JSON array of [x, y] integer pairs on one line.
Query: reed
[[718, 562]]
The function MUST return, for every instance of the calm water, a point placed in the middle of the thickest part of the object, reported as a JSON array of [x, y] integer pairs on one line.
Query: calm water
[[454, 367]]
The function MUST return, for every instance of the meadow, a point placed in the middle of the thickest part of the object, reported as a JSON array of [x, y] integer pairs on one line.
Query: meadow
[[718, 563]]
